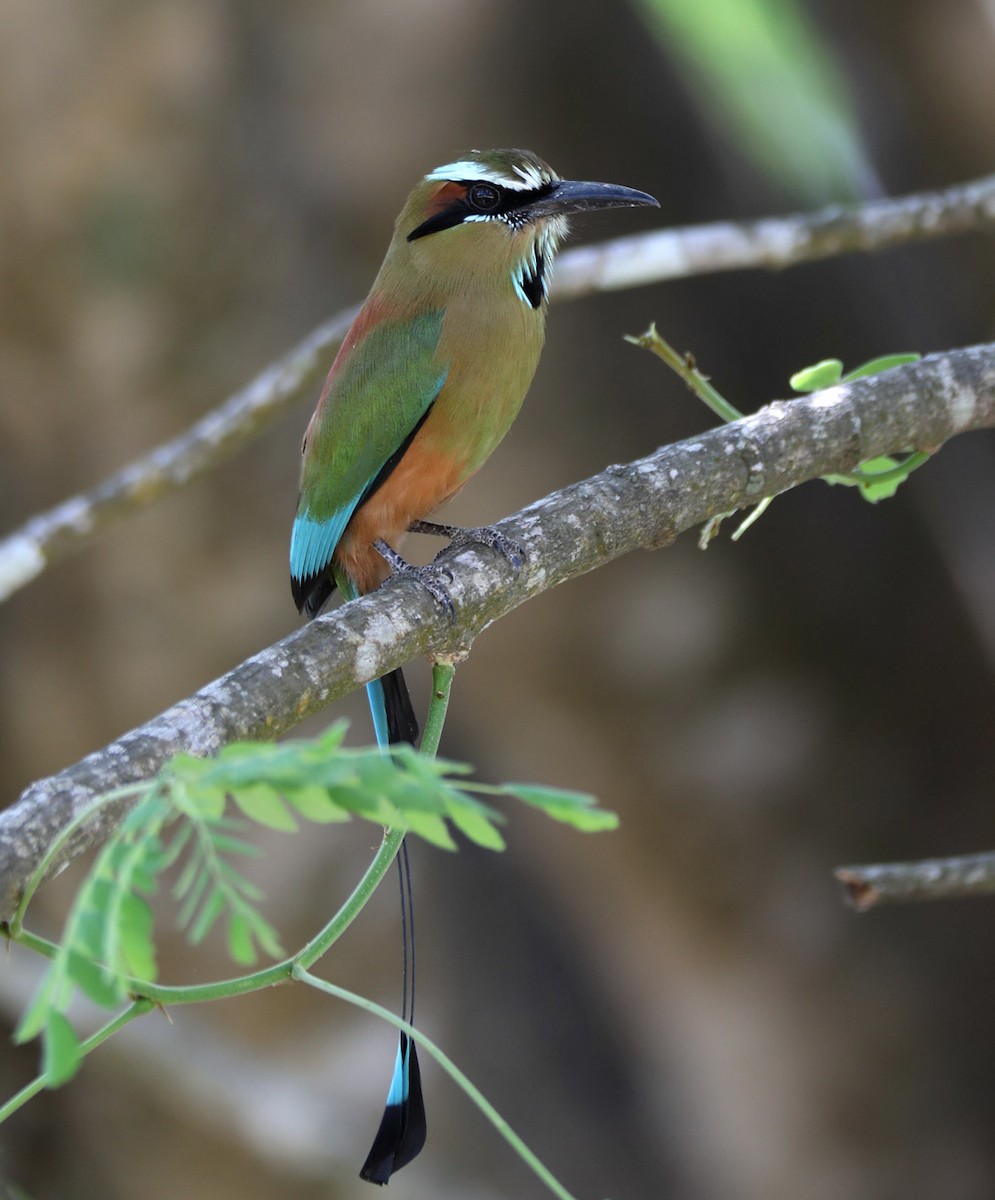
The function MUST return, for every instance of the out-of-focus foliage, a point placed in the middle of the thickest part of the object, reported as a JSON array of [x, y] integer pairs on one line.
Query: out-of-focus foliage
[[772, 88]]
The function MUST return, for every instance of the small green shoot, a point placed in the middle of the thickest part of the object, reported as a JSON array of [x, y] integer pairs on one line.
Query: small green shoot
[[876, 478], [820, 375]]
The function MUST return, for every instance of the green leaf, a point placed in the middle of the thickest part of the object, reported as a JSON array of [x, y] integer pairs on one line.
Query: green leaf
[[430, 827], [873, 466], [93, 980], [177, 844], [193, 894], [428, 770], [264, 933], [475, 823], [875, 366], [207, 802], [183, 778], [240, 943], [238, 883], [573, 808], [137, 951], [88, 934], [108, 934], [211, 909], [225, 844], [189, 878], [263, 804], [36, 1014], [61, 1055], [875, 490], [315, 804], [821, 375], [368, 803], [321, 780]]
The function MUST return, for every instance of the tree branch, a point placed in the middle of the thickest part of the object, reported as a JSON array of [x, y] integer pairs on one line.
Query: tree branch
[[866, 887], [625, 262], [775, 242], [643, 505], [51, 536]]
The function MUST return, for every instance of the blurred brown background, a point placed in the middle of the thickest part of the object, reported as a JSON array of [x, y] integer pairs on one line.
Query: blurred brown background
[[680, 1009]]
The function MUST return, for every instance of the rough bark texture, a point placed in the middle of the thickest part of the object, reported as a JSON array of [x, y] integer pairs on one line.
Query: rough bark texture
[[640, 505]]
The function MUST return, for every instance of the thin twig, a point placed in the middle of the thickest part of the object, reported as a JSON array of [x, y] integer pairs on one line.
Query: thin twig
[[51, 536], [774, 242], [866, 887], [642, 505]]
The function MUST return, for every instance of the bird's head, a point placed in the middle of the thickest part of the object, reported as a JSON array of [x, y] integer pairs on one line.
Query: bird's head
[[505, 209]]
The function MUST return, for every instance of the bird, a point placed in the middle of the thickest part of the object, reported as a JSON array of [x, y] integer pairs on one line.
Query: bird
[[426, 383]]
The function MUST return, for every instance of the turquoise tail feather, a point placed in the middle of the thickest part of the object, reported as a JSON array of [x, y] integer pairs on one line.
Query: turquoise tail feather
[[390, 705], [378, 710], [402, 1130]]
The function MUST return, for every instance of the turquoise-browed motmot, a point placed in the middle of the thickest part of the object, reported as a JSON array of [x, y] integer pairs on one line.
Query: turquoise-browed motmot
[[426, 383]]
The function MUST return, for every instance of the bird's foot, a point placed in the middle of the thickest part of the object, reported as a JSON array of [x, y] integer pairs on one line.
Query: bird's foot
[[430, 577], [481, 535]]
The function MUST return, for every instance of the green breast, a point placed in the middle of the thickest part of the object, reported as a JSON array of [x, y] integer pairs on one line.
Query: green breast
[[492, 347]]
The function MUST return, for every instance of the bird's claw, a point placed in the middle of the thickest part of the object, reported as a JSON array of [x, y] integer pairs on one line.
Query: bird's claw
[[429, 577], [480, 535], [487, 535]]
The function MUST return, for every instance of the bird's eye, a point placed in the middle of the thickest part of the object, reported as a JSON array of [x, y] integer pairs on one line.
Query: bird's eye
[[484, 197]]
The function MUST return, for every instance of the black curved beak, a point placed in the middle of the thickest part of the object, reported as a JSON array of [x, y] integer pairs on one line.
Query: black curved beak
[[568, 196]]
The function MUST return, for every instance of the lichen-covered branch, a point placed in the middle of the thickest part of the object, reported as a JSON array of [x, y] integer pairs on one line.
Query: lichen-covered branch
[[625, 262], [866, 887], [640, 505]]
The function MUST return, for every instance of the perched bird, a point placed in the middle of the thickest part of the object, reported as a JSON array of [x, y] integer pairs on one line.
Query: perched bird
[[425, 385]]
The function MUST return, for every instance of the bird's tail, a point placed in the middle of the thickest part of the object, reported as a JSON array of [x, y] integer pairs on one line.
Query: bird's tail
[[393, 717], [402, 1128]]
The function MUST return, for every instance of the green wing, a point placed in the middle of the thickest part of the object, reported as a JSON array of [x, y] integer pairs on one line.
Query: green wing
[[377, 396]]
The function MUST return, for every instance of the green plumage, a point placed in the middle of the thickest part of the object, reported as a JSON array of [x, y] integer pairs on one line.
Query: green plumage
[[382, 390]]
